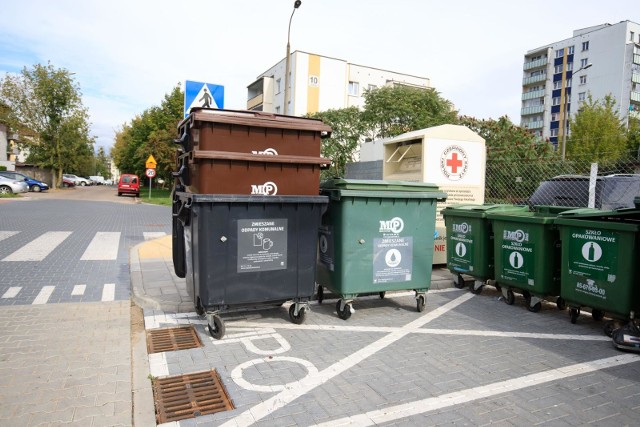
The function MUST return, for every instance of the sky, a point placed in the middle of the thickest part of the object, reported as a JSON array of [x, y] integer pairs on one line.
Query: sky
[[128, 54]]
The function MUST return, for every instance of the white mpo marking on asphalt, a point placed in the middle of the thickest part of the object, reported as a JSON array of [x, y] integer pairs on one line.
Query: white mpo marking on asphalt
[[39, 248], [237, 377], [12, 292], [7, 234], [307, 384], [78, 290], [103, 247], [109, 292], [44, 295], [393, 413], [150, 235]]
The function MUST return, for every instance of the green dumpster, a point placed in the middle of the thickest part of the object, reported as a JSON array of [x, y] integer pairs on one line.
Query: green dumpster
[[600, 264], [470, 242], [376, 236], [527, 255]]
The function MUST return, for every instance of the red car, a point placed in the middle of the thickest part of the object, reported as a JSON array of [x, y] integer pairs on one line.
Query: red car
[[129, 184], [67, 183]]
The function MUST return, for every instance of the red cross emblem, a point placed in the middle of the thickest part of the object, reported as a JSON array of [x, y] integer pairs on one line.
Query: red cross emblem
[[454, 163]]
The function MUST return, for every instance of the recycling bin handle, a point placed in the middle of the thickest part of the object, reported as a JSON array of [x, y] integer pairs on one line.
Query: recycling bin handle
[[183, 140], [179, 173]]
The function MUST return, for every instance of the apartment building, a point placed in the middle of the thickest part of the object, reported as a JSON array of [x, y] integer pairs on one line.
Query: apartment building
[[599, 60], [319, 83]]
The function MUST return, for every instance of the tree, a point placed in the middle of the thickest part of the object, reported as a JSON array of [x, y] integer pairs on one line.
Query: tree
[[101, 164], [597, 133], [392, 110], [150, 133], [347, 128], [44, 106]]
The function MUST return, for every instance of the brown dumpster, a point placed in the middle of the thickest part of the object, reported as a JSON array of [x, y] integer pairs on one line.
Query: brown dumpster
[[252, 132], [220, 172]]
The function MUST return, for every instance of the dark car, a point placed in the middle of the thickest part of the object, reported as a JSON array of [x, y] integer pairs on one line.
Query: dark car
[[34, 184], [611, 191]]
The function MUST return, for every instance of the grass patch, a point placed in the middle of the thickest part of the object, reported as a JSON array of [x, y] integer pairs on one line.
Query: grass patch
[[8, 196], [159, 196]]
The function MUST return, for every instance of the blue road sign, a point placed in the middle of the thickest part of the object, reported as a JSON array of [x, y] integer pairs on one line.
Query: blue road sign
[[199, 94]]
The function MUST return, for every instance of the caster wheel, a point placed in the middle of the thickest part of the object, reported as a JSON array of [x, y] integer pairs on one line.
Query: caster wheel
[[561, 303], [574, 313], [498, 287], [320, 294], [597, 314], [421, 302], [343, 314], [382, 294], [536, 307], [300, 318], [217, 330], [473, 289], [511, 298], [609, 328], [527, 296], [460, 283]]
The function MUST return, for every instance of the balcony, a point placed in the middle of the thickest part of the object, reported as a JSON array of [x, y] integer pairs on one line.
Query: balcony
[[535, 64], [532, 110], [635, 77], [636, 59], [532, 95], [635, 96], [255, 101], [535, 79], [534, 125]]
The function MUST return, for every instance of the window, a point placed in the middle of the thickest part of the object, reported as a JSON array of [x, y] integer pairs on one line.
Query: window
[[555, 101], [585, 46], [582, 96], [354, 88], [557, 69], [567, 83], [570, 66], [631, 36], [584, 62], [555, 117], [571, 50], [557, 85], [372, 87], [278, 83], [559, 53], [554, 132], [583, 80]]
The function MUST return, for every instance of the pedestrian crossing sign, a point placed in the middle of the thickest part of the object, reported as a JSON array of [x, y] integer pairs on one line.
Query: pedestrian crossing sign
[[199, 94]]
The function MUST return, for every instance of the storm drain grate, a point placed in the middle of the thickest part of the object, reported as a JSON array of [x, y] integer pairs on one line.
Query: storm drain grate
[[170, 339], [190, 396]]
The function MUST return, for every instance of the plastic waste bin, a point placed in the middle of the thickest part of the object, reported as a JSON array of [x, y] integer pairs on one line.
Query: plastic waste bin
[[470, 242], [376, 236], [600, 263], [245, 251], [527, 255]]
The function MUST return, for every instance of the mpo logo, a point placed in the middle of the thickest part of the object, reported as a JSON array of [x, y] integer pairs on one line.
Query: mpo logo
[[267, 152], [395, 225], [516, 236], [266, 189], [463, 228]]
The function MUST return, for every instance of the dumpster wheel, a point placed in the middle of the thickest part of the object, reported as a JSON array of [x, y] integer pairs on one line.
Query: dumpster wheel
[[302, 314], [476, 287], [597, 314], [458, 281], [535, 307], [421, 302], [382, 294], [217, 330], [345, 313], [320, 294], [510, 298], [574, 313], [561, 303]]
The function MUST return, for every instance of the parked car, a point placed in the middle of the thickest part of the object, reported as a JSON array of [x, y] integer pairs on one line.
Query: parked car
[[129, 184], [12, 186], [77, 180], [34, 184], [611, 191], [98, 180], [67, 183]]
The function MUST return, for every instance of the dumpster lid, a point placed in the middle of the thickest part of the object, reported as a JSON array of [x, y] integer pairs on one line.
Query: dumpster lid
[[189, 198], [480, 211], [377, 185], [590, 213], [539, 214], [256, 119]]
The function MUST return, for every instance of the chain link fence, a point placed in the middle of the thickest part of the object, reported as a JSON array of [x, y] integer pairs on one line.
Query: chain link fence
[[515, 181]]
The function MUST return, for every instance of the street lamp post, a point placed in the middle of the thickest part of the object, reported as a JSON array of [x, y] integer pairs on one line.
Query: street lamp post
[[296, 5], [565, 121]]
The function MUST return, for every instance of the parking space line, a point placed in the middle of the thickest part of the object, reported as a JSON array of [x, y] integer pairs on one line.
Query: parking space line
[[261, 410], [7, 234], [78, 290], [39, 248], [103, 247], [12, 292], [393, 413], [44, 295], [109, 292]]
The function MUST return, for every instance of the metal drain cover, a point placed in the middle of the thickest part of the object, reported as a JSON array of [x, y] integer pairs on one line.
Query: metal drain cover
[[171, 339], [189, 396]]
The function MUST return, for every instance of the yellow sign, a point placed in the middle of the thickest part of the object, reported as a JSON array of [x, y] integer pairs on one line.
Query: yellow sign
[[151, 162]]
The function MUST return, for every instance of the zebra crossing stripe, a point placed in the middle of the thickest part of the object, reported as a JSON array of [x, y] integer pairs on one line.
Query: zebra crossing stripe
[[44, 295], [109, 292], [78, 290], [7, 234], [150, 235], [103, 247], [39, 248], [12, 292]]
